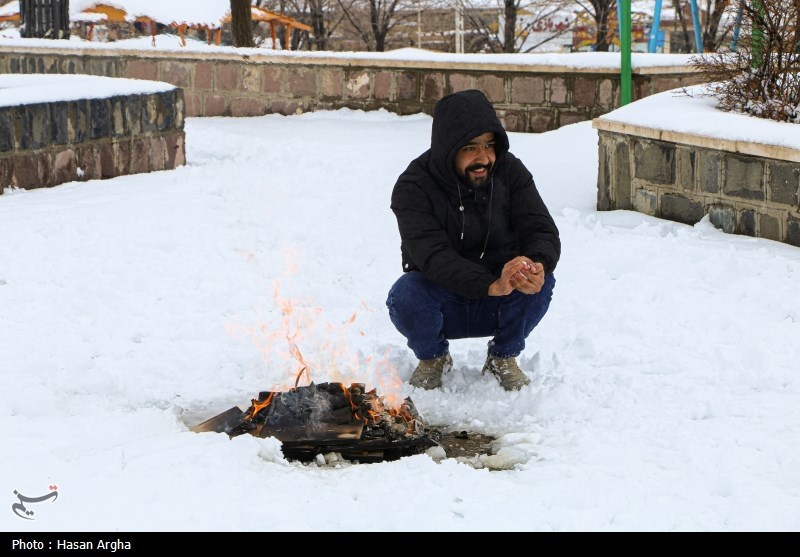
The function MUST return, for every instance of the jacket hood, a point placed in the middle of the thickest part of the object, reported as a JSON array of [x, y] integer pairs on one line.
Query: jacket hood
[[458, 118]]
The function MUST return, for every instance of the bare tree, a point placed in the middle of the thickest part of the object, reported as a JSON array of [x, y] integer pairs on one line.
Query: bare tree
[[323, 16], [241, 24], [374, 22], [762, 77], [600, 11], [714, 30]]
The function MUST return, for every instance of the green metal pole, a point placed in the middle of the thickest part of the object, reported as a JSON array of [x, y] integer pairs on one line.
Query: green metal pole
[[757, 55], [625, 53]]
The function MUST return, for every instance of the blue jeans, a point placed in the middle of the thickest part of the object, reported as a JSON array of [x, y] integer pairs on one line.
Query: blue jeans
[[429, 315]]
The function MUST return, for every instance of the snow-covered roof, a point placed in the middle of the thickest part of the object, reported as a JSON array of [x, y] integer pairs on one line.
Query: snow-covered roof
[[12, 8], [198, 12]]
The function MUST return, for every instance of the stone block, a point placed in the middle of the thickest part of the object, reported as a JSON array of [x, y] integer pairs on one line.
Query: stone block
[[23, 171], [645, 201], [78, 121], [747, 222], [274, 78], [88, 163], [66, 167], [383, 85], [194, 104], [654, 161], [108, 166], [723, 217], [527, 90], [134, 106], [357, 85], [157, 153], [567, 118], [331, 82], [179, 110], [513, 120], [769, 227], [679, 208], [493, 87], [605, 167], [684, 161], [459, 82], [623, 186], [176, 149], [119, 117], [744, 177], [784, 181], [584, 92], [203, 75], [100, 121], [708, 168], [432, 87], [244, 106], [40, 127], [122, 157], [46, 176], [793, 232], [177, 73], [406, 86], [542, 120], [165, 103], [251, 78], [559, 90], [59, 123], [302, 82], [226, 77], [140, 162], [606, 97], [137, 69], [7, 118], [214, 105]]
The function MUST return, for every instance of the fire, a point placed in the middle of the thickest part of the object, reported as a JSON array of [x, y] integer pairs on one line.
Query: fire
[[259, 406]]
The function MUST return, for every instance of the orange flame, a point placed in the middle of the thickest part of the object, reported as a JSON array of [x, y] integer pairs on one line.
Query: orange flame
[[258, 406]]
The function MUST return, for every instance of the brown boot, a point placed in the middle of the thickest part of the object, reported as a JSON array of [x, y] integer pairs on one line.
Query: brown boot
[[507, 372], [428, 374]]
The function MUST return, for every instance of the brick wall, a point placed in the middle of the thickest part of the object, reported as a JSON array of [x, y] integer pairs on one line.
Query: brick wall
[[528, 98], [750, 189], [46, 144]]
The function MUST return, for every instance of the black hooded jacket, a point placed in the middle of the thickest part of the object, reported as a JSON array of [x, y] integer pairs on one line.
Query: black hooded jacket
[[507, 215]]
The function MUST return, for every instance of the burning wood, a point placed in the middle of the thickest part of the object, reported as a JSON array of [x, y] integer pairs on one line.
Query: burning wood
[[330, 417]]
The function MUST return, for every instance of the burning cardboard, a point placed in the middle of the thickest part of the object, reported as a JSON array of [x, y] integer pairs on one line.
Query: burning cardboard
[[330, 417]]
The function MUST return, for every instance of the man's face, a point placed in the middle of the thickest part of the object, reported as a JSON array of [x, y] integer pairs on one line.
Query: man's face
[[475, 159]]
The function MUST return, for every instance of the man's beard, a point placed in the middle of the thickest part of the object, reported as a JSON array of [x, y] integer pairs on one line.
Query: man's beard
[[476, 182]]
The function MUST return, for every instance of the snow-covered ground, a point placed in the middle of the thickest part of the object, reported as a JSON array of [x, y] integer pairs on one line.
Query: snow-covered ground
[[665, 391]]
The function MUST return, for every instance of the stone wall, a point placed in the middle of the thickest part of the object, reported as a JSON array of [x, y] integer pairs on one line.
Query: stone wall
[[529, 98], [745, 188], [46, 144]]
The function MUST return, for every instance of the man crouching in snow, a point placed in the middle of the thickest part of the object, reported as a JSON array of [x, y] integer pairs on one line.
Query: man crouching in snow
[[478, 245]]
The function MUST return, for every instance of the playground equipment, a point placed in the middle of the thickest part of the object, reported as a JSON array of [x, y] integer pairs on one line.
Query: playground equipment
[[698, 32]]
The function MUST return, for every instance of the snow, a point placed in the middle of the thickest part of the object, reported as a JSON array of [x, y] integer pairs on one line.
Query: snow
[[692, 110], [665, 393], [172, 43], [17, 89], [205, 12]]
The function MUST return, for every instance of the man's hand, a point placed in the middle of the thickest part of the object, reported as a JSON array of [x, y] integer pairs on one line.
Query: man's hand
[[519, 274]]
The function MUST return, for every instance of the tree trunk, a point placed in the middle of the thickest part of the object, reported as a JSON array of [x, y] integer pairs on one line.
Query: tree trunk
[[510, 29], [241, 26], [44, 19]]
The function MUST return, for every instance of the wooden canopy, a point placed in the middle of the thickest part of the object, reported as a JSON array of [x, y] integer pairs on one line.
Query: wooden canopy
[[9, 12], [267, 16], [110, 13]]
